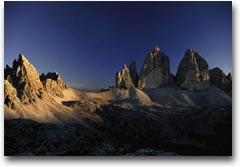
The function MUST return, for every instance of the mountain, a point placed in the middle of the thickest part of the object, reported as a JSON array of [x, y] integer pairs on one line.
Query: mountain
[[194, 84], [29, 95], [151, 112], [192, 71], [124, 79], [220, 79], [155, 71], [47, 98], [24, 77]]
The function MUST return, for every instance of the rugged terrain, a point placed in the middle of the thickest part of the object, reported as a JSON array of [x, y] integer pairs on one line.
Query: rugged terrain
[[153, 112]]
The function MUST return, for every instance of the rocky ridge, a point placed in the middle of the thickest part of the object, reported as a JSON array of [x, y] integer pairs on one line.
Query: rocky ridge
[[26, 84], [164, 117], [53, 83], [193, 73], [25, 79]]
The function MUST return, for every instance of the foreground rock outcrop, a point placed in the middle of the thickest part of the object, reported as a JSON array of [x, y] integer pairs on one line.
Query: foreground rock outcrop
[[192, 73], [124, 130], [219, 79], [155, 71], [29, 138]]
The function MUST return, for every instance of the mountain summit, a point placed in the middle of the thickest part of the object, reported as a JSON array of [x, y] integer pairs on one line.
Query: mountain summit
[[192, 71], [155, 71], [29, 95], [25, 79]]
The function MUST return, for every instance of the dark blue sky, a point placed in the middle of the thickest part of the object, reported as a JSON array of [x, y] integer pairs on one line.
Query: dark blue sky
[[88, 42]]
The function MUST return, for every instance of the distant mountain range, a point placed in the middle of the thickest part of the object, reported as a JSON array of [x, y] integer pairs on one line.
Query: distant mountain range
[[193, 73], [41, 97]]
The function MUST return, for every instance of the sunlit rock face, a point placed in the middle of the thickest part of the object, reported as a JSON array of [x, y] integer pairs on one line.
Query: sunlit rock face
[[123, 79], [10, 96], [219, 79], [155, 71], [53, 83], [25, 79], [22, 83], [192, 73]]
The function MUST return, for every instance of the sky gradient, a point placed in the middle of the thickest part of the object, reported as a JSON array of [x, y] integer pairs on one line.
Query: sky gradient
[[88, 42]]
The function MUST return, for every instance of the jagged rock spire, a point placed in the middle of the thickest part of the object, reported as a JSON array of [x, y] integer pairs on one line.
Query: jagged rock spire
[[53, 83], [155, 71], [192, 71], [24, 78], [123, 78]]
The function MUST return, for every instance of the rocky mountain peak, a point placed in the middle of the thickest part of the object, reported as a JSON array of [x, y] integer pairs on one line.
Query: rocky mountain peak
[[220, 79], [25, 79], [192, 72], [190, 52], [123, 78], [155, 71], [22, 59], [53, 83], [155, 50]]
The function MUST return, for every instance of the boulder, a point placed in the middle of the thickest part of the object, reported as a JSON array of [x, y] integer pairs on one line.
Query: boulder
[[192, 73], [155, 71], [123, 79], [219, 79]]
